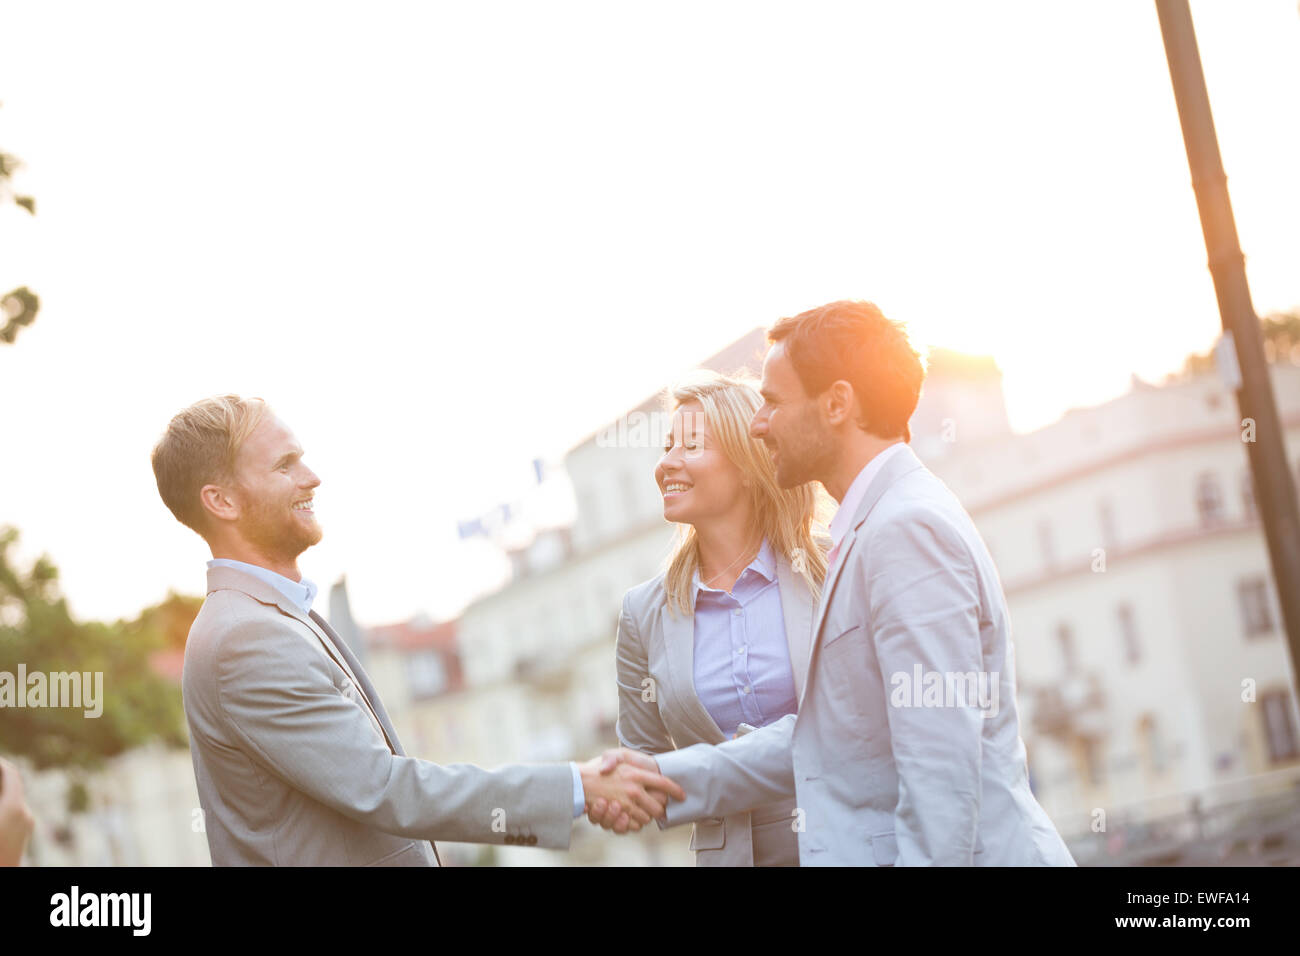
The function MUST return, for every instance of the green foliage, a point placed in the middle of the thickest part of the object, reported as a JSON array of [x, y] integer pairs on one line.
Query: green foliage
[[171, 619], [19, 309], [20, 306], [1281, 333], [37, 630]]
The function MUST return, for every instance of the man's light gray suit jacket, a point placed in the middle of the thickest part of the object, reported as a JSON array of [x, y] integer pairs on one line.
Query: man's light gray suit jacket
[[879, 782], [293, 769]]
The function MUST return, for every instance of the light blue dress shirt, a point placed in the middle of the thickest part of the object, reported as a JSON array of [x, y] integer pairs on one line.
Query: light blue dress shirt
[[300, 593], [303, 593], [742, 657]]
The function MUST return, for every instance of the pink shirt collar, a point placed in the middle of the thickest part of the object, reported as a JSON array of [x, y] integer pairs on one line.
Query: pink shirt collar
[[853, 497]]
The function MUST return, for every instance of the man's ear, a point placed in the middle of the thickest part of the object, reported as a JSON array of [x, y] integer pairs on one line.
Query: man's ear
[[219, 502], [839, 404]]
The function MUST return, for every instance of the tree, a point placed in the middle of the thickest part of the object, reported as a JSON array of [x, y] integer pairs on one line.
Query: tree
[[38, 632], [1281, 333], [20, 306]]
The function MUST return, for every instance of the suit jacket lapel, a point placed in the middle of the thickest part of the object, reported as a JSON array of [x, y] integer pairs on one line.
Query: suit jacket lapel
[[220, 579], [901, 464], [362, 680], [679, 641], [797, 609], [832, 577], [233, 579]]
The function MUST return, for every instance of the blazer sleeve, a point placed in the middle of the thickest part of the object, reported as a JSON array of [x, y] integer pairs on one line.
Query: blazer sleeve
[[640, 725], [733, 776], [277, 696], [924, 607]]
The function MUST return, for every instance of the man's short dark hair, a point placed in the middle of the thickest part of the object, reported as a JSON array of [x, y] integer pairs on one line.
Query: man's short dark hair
[[854, 341]]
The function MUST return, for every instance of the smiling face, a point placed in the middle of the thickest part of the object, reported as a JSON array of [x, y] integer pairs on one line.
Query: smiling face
[[274, 490], [697, 480], [790, 423]]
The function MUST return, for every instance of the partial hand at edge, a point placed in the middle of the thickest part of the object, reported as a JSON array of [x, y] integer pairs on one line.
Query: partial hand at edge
[[16, 820]]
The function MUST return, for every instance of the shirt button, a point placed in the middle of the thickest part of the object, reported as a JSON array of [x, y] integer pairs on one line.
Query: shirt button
[[746, 689], [737, 612]]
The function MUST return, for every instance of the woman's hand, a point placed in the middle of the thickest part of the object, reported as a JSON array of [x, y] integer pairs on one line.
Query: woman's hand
[[625, 807]]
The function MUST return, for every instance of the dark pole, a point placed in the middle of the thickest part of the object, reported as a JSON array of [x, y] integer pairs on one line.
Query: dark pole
[[1274, 488]]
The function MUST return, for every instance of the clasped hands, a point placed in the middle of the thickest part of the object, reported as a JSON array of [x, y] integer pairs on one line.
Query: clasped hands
[[624, 790]]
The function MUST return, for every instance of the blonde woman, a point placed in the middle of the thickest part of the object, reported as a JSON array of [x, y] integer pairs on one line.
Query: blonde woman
[[719, 642]]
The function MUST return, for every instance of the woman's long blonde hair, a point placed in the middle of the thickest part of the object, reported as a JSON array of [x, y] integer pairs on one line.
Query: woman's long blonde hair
[[785, 517]]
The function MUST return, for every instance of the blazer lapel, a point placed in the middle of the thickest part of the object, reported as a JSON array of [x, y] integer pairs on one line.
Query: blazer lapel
[[232, 579], [833, 576], [797, 609], [679, 641], [220, 579], [362, 680], [901, 464]]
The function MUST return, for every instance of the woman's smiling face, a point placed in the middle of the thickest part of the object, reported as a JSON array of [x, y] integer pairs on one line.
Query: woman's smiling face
[[696, 479]]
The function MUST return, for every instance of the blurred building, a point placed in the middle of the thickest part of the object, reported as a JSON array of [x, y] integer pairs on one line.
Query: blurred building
[[539, 653], [1152, 667], [1154, 686], [1153, 672], [140, 809]]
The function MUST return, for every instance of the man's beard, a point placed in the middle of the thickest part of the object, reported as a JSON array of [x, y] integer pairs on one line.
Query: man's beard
[[277, 536], [804, 459]]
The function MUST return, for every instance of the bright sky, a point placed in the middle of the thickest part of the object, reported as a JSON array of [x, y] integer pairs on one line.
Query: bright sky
[[445, 239]]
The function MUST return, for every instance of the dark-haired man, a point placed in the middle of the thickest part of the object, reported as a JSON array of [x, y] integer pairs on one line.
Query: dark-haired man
[[906, 747]]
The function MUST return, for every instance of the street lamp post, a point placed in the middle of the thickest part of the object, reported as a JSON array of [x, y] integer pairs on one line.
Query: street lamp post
[[1274, 486]]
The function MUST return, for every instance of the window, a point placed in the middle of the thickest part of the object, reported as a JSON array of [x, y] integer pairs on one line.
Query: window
[[1128, 634], [1256, 614], [1046, 545], [1065, 643], [1091, 757], [426, 674], [1209, 500], [1279, 728], [633, 505], [594, 512], [1152, 743], [1106, 517]]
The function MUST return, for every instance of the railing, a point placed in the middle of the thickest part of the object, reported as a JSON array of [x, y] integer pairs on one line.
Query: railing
[[1252, 821]]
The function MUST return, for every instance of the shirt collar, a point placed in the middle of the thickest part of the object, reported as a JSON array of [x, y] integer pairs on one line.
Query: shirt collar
[[764, 564], [857, 491], [301, 593]]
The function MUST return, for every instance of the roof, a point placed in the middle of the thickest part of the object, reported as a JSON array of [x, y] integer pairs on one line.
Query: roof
[[414, 635]]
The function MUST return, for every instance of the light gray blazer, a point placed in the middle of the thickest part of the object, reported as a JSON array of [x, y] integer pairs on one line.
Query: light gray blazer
[[658, 644], [294, 769], [878, 782]]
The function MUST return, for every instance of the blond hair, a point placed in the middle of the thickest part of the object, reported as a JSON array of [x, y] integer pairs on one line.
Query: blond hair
[[200, 447], [785, 517]]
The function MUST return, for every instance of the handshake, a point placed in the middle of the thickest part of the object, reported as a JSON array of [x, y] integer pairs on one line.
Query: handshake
[[624, 790]]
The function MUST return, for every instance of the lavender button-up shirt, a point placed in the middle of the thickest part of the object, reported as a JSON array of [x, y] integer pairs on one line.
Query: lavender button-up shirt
[[742, 658]]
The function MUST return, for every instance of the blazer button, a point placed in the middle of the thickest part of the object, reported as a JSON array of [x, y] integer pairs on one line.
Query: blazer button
[[510, 838], [532, 840]]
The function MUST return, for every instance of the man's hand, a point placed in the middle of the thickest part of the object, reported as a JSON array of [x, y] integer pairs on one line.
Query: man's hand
[[620, 815], [16, 821]]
